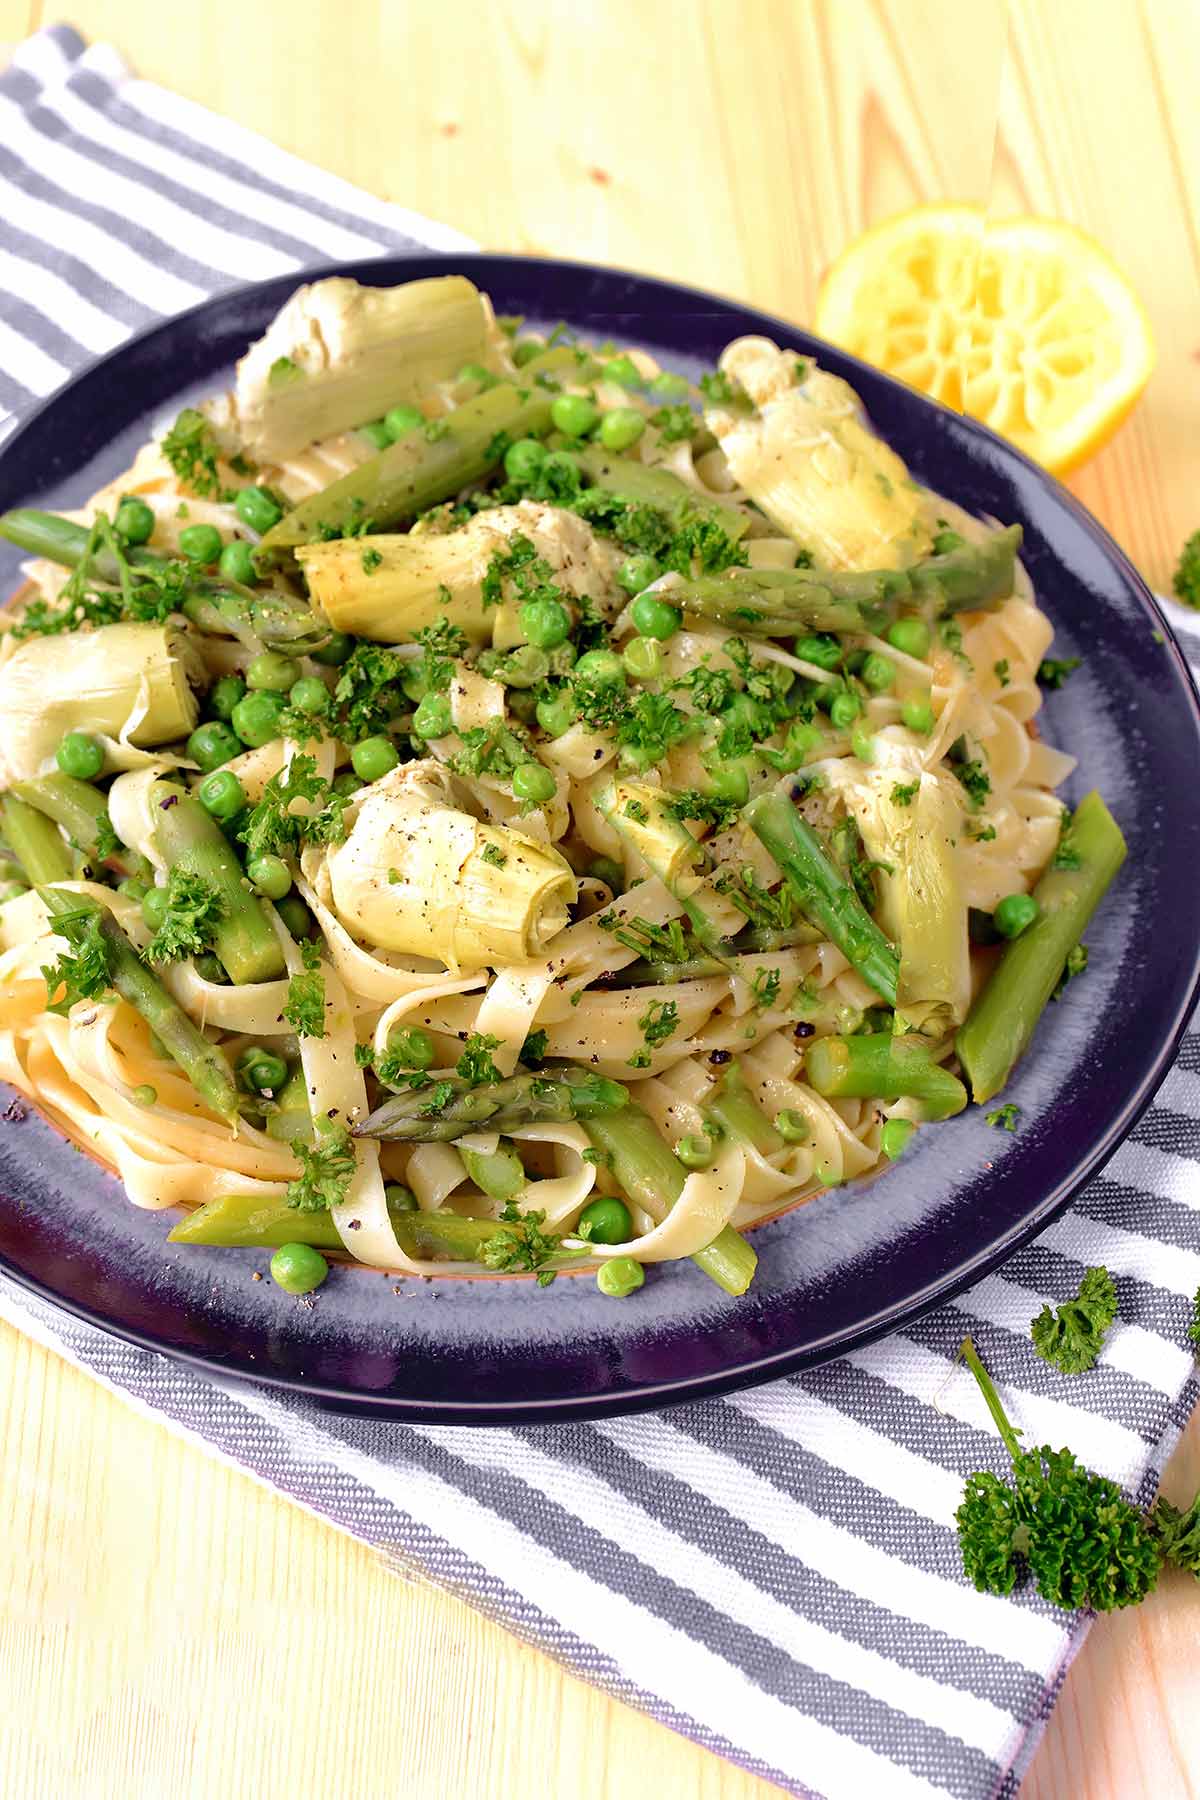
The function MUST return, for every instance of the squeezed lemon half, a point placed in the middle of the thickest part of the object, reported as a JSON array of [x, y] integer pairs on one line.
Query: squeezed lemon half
[[1026, 324]]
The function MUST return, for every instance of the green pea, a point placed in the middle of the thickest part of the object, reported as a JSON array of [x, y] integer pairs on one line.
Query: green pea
[[546, 623], [609, 872], [912, 637], [133, 889], [236, 563], [412, 1047], [531, 781], [526, 667], [261, 1070], [624, 371], [621, 428], [309, 695], [200, 543], [80, 755], [668, 386], [863, 745], [271, 876], [256, 719], [655, 617], [894, 1138], [212, 744], [271, 673], [695, 1151], [400, 1199], [637, 572], [1015, 914], [602, 668], [799, 746], [431, 720], [792, 1126], [820, 649], [134, 521], [475, 372], [574, 415], [844, 708], [918, 716], [557, 713], [946, 541], [144, 1095], [335, 651], [620, 1276], [605, 1221], [730, 781], [400, 420], [878, 673], [347, 784], [643, 658], [298, 1268], [523, 459], [295, 915], [209, 968], [222, 794], [374, 757], [154, 908], [376, 433], [224, 696], [258, 508], [525, 349]]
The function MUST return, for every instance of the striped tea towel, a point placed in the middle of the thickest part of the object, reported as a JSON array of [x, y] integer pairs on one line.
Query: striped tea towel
[[775, 1575]]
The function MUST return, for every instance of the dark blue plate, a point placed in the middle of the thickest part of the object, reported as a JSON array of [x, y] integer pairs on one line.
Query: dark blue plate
[[854, 1264]]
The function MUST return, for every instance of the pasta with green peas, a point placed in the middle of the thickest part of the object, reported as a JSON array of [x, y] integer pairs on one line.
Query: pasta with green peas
[[549, 822]]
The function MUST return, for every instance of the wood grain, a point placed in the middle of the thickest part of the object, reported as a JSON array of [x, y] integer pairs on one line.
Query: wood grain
[[167, 1626]]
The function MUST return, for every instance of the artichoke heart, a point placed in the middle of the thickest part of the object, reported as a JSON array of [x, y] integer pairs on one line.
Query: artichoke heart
[[419, 875], [805, 454], [133, 682]]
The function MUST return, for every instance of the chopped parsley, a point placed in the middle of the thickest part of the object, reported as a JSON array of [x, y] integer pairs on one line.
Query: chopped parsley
[[1005, 1117], [194, 910], [327, 1168], [1076, 963], [659, 943], [1193, 1330], [86, 974], [493, 854], [1000, 671], [283, 371], [904, 792], [764, 989], [520, 1244], [659, 1022], [371, 560], [764, 909], [475, 1064], [675, 422], [717, 388], [974, 778], [441, 643], [1072, 1336], [1066, 856], [1054, 670], [146, 593], [273, 829], [533, 1050], [369, 692], [709, 809], [304, 1008], [191, 449]]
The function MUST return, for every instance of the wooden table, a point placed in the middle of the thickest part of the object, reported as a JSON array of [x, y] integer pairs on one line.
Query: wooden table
[[168, 1628]]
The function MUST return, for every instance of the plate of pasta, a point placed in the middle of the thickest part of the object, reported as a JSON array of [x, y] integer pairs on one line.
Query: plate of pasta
[[566, 845]]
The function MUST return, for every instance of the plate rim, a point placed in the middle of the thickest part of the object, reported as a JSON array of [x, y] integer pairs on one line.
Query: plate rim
[[762, 1368]]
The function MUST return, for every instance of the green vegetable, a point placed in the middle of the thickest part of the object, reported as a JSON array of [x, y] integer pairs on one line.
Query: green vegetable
[[792, 1126], [411, 1047], [236, 563], [918, 716], [546, 623], [880, 1066], [271, 672], [327, 1167], [500, 1175], [655, 617], [1004, 1118], [154, 907], [822, 894], [619, 1277], [191, 912], [35, 841], [289, 1117], [213, 744], [621, 428], [398, 421], [249, 1221], [295, 915], [298, 1268], [262, 1071], [647, 1171], [454, 1107], [1002, 1021], [1082, 1541], [304, 1008], [309, 695], [532, 782], [374, 757], [190, 840], [224, 696], [1186, 581], [911, 636], [400, 1198], [844, 708], [82, 811], [80, 755], [695, 1151], [523, 459], [1054, 671], [895, 1137], [134, 521], [336, 650], [200, 543], [257, 508], [1072, 1336], [1014, 914], [270, 876], [643, 659], [878, 673], [637, 572], [623, 370], [734, 1112], [574, 415], [256, 719], [114, 962]]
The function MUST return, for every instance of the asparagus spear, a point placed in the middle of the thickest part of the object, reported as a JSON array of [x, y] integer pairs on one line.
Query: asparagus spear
[[647, 1171], [257, 1221], [778, 602], [35, 841], [189, 838], [823, 895], [290, 1118], [738, 1115], [880, 1066], [82, 811], [220, 608], [1002, 1021], [201, 1062], [642, 486], [425, 466], [452, 1107]]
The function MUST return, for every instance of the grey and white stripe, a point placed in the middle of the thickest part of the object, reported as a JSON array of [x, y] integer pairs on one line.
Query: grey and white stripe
[[775, 1575]]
